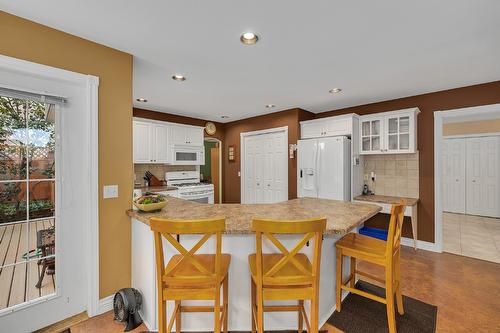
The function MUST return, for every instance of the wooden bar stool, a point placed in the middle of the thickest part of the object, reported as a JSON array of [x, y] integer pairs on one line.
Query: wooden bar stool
[[387, 254], [288, 275], [191, 276]]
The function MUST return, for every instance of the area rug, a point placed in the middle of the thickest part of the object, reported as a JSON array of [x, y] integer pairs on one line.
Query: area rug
[[360, 314]]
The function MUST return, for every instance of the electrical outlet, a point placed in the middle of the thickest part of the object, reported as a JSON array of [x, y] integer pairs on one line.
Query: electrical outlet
[[110, 191]]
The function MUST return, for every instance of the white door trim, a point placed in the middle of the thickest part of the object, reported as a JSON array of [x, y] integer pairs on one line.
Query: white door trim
[[92, 231], [243, 135], [440, 117]]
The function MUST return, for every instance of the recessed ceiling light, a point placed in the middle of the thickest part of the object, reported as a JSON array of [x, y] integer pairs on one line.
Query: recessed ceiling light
[[142, 100], [270, 106], [335, 90], [249, 38], [224, 117], [178, 77]]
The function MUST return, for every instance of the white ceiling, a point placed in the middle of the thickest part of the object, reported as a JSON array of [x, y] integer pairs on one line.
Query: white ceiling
[[373, 50]]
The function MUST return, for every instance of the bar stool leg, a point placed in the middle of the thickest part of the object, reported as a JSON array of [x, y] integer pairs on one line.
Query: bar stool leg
[[260, 310], [301, 318], [389, 296], [217, 310], [399, 296], [178, 317], [353, 272], [225, 295], [162, 319], [338, 293], [254, 303]]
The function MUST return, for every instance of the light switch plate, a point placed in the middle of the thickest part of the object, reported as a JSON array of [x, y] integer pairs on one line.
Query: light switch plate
[[110, 191]]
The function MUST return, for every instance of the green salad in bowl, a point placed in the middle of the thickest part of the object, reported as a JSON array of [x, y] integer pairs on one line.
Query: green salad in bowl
[[150, 202]]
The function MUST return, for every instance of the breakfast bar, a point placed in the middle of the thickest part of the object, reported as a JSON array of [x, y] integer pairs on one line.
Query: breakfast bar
[[239, 241]]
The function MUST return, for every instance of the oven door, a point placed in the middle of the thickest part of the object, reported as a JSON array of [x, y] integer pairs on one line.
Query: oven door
[[188, 155], [206, 197]]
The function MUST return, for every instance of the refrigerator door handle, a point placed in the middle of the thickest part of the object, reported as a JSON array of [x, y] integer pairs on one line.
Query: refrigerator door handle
[[301, 171]]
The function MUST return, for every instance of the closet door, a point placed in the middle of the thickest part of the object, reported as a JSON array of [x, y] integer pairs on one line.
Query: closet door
[[265, 168], [483, 187], [453, 175]]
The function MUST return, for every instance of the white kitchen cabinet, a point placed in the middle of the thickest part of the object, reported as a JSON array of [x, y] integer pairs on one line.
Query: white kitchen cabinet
[[154, 140], [150, 142], [389, 132], [331, 126], [186, 135], [143, 152], [160, 143]]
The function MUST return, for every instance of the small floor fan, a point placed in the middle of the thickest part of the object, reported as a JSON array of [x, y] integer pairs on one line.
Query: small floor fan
[[126, 305]]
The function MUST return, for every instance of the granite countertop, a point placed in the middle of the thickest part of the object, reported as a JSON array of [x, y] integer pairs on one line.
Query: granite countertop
[[341, 216], [386, 199], [156, 188]]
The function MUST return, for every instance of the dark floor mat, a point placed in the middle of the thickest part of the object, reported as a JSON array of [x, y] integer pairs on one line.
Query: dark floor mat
[[360, 314]]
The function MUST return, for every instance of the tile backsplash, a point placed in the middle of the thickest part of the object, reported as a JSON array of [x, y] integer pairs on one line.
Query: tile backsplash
[[395, 174], [158, 170]]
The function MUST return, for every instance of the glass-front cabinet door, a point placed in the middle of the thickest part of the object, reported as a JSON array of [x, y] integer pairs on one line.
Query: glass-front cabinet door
[[398, 133], [371, 135]]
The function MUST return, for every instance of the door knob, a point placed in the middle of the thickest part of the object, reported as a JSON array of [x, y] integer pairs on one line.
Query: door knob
[[268, 185]]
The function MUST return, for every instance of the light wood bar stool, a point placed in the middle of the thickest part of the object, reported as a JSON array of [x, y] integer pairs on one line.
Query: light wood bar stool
[[191, 276], [288, 275], [387, 254]]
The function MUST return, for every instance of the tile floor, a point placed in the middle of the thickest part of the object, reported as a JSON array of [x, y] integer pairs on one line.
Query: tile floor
[[472, 236]]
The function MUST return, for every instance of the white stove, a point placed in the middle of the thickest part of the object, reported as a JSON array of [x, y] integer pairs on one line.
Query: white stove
[[189, 186]]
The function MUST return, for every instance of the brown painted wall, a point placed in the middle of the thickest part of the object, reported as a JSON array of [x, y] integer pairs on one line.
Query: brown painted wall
[[30, 41], [482, 94], [290, 118]]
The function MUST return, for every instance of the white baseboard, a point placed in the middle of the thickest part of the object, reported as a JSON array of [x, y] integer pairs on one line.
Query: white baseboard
[[105, 304], [422, 245]]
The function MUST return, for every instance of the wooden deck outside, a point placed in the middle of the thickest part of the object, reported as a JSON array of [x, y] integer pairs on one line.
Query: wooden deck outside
[[14, 285]]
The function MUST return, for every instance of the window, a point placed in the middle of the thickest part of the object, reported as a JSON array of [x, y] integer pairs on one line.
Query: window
[[27, 200]]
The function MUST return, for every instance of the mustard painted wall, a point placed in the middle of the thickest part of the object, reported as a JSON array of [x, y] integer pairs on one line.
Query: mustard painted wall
[[30, 41]]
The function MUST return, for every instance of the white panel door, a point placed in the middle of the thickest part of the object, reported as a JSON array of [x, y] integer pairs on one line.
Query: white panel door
[[453, 175], [307, 151], [265, 163], [482, 179], [142, 142]]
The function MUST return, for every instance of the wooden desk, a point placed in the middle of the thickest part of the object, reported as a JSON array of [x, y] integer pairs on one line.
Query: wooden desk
[[385, 202]]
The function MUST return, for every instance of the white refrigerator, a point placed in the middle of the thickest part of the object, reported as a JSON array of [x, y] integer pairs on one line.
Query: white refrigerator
[[324, 168]]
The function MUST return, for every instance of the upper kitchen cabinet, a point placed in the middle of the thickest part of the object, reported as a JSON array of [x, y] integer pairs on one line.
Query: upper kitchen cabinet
[[331, 126], [186, 135], [167, 143], [389, 132], [142, 142], [150, 142]]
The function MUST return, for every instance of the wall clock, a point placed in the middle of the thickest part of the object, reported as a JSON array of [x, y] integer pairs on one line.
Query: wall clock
[[210, 128]]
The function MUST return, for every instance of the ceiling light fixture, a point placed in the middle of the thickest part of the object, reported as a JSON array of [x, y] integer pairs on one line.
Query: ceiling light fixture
[[224, 117], [270, 106], [178, 77], [249, 38], [142, 100], [335, 90]]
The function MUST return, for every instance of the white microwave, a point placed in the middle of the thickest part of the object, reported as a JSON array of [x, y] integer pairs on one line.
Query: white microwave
[[187, 155]]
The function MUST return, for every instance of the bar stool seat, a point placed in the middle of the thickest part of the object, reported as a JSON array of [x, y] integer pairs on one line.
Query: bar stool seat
[[285, 276], [187, 269], [352, 244]]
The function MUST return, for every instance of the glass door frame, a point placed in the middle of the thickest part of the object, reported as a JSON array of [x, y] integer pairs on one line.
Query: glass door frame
[[28, 221]]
